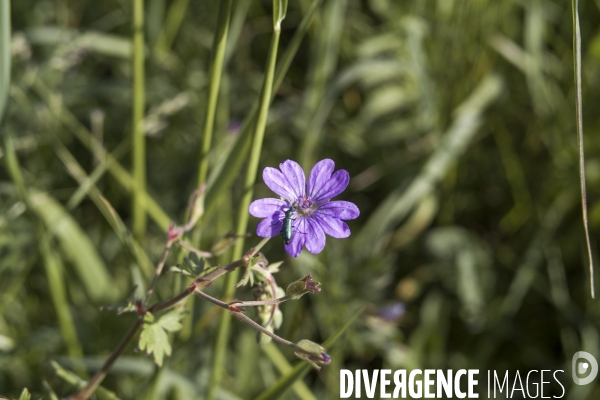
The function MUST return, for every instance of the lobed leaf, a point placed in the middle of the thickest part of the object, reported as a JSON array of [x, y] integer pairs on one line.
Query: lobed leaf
[[154, 339]]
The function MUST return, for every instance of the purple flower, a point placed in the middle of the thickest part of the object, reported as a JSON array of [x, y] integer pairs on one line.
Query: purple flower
[[315, 214]]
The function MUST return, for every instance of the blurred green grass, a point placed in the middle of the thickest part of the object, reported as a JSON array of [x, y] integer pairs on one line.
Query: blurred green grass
[[456, 121]]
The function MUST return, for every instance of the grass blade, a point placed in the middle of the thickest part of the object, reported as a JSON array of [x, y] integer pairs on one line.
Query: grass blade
[[216, 70], [4, 56], [282, 365], [77, 172], [175, 16], [82, 134], [302, 368], [578, 101], [279, 10], [76, 246], [224, 177], [139, 136]]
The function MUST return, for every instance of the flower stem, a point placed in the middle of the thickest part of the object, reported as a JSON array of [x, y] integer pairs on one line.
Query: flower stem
[[261, 122], [159, 268], [245, 318], [139, 139], [262, 302], [234, 162], [261, 328]]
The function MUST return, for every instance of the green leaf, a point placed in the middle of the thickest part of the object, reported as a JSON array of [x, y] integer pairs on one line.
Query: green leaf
[[73, 379], [25, 395], [154, 338], [76, 245], [193, 266], [4, 55]]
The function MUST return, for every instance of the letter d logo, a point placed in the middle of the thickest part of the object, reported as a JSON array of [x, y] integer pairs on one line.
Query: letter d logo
[[582, 367]]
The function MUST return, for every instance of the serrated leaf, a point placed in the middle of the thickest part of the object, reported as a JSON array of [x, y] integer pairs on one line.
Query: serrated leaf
[[171, 321], [193, 257], [193, 266], [154, 339]]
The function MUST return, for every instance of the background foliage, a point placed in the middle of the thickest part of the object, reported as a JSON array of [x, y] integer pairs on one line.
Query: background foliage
[[455, 119]]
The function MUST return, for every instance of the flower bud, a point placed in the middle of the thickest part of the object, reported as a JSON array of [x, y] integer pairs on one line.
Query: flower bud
[[174, 231], [297, 289], [313, 353]]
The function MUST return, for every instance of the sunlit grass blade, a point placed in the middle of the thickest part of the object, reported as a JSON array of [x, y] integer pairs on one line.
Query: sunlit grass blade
[[215, 72], [224, 177], [284, 367], [139, 136], [76, 245], [173, 21], [325, 53], [99, 43], [578, 103], [4, 56], [238, 18], [302, 368], [74, 380], [279, 11], [87, 183]]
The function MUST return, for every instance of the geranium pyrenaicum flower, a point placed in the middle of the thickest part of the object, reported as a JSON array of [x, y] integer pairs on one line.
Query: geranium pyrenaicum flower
[[314, 215]]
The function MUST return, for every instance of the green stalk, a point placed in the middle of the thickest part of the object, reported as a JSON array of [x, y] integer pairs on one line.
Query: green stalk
[[4, 56], [324, 56], [233, 164], [215, 72], [139, 139], [173, 23], [279, 10]]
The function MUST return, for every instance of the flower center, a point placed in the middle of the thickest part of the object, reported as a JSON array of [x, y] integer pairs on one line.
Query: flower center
[[304, 205]]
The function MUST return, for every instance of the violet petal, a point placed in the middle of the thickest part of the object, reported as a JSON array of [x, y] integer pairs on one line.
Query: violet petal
[[294, 248], [295, 176], [333, 226], [269, 227], [339, 209], [275, 180], [334, 186], [315, 237], [319, 175], [265, 208]]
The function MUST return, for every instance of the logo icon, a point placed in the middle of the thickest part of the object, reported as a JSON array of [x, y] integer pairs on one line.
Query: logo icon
[[581, 367]]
